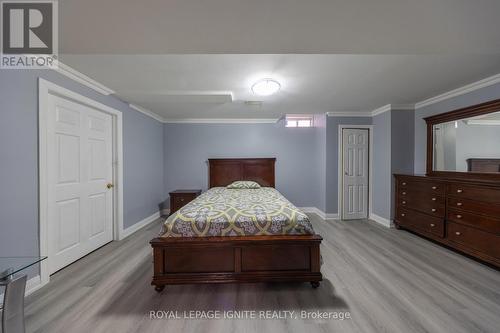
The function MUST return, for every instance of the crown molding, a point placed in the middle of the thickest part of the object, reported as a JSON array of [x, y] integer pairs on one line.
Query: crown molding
[[393, 107], [83, 79], [381, 110], [403, 107], [489, 81], [349, 114], [221, 121], [75, 75], [147, 112]]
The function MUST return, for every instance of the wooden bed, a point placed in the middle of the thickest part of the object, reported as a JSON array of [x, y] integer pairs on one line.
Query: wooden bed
[[279, 258]]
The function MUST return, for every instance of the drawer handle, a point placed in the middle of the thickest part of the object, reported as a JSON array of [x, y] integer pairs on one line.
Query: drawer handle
[[459, 216], [182, 199], [458, 233], [432, 225], [403, 214], [434, 187], [433, 199], [433, 209], [404, 184], [460, 190], [459, 204], [404, 193], [404, 202]]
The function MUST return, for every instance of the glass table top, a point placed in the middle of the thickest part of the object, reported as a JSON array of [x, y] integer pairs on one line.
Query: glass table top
[[12, 265]]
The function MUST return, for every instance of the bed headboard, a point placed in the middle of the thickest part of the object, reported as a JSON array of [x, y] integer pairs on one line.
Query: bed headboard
[[224, 171]]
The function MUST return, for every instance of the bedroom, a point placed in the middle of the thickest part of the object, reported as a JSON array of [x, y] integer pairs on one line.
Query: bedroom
[[183, 99]]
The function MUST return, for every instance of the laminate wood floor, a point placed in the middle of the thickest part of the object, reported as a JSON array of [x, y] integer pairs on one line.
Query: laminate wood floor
[[388, 280]]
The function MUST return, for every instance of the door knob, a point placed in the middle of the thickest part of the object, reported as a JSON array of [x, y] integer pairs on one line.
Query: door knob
[[109, 185]]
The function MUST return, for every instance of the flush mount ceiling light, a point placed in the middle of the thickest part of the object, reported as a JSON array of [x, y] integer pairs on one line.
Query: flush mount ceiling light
[[266, 87]]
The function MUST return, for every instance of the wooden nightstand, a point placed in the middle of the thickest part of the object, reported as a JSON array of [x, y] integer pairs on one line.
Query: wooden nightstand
[[179, 198]]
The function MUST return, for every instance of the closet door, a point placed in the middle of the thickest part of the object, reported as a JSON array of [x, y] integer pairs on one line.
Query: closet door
[[80, 173], [355, 149]]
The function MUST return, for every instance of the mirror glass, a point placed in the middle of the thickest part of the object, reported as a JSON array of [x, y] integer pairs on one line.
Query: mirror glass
[[468, 145]]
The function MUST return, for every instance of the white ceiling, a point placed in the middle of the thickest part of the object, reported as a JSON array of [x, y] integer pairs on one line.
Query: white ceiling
[[216, 86], [279, 26]]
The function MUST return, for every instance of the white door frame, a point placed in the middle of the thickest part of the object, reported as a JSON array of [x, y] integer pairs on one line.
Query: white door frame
[[46, 88], [340, 179]]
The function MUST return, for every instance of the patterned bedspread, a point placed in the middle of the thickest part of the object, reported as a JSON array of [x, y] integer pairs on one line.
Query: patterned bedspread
[[237, 212]]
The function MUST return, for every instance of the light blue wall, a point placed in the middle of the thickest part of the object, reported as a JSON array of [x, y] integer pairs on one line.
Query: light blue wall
[[402, 138], [402, 143], [332, 148], [476, 97], [320, 121], [393, 138], [142, 152], [143, 169], [297, 152], [382, 177]]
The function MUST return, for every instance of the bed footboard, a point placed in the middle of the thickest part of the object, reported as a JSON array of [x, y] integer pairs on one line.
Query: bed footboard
[[239, 259]]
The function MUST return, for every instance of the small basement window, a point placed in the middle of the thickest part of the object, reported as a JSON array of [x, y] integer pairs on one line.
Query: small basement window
[[298, 121]]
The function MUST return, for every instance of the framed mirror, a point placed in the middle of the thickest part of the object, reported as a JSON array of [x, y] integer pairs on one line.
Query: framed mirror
[[465, 143]]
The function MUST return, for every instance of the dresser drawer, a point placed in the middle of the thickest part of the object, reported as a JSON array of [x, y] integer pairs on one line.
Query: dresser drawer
[[422, 223], [484, 223], [478, 193], [473, 206], [474, 239], [433, 205], [179, 201], [428, 187]]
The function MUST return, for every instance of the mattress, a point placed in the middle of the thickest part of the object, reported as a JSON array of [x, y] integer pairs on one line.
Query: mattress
[[238, 212]]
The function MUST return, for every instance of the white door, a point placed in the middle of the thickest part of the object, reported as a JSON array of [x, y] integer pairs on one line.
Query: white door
[[79, 159], [355, 146]]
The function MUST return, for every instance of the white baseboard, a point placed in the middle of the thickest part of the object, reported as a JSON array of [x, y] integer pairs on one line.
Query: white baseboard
[[32, 285], [374, 217], [320, 213], [139, 225], [331, 216], [381, 220]]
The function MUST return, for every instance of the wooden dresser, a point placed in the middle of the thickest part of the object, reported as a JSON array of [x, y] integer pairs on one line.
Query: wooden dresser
[[462, 214]]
